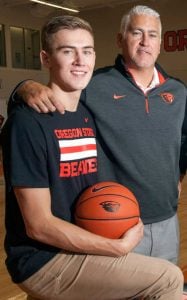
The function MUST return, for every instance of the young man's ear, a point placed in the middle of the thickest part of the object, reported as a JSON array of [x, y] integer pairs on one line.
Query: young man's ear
[[44, 57]]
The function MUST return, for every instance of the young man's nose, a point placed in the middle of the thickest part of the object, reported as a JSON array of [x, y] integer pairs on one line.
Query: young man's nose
[[79, 58]]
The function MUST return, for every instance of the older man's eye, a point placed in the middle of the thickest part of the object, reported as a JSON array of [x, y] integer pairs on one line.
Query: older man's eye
[[153, 35], [137, 32]]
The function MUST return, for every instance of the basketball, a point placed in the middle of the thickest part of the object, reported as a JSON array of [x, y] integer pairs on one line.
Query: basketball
[[108, 209]]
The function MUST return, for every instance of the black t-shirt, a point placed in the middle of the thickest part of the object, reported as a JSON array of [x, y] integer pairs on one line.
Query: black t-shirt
[[39, 151]]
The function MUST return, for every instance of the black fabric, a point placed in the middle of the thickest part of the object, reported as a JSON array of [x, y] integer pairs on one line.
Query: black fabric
[[139, 136], [33, 153]]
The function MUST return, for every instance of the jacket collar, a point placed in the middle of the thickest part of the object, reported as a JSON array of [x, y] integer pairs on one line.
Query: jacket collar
[[120, 66]]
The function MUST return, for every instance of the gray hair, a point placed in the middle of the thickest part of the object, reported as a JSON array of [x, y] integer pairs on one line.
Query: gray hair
[[138, 10]]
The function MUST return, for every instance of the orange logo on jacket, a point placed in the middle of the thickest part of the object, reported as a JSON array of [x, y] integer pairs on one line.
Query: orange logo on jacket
[[167, 97]]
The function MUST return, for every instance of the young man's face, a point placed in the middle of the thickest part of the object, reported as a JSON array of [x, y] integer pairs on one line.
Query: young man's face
[[141, 43], [72, 59]]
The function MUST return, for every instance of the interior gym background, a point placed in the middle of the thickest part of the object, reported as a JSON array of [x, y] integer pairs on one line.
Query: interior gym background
[[104, 16]]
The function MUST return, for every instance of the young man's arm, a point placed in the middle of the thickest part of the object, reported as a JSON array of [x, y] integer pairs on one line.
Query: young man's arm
[[37, 96], [43, 226]]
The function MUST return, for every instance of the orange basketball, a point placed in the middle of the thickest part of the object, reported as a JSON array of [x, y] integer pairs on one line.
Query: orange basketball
[[107, 209]]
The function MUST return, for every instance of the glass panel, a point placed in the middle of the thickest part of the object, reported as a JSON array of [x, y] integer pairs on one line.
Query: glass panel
[[32, 49], [17, 47], [25, 44], [2, 46]]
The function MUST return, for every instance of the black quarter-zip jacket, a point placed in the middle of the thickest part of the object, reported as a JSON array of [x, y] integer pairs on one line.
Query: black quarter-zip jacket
[[139, 136]]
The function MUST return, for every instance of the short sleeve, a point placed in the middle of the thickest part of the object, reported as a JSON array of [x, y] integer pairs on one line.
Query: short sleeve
[[24, 151]]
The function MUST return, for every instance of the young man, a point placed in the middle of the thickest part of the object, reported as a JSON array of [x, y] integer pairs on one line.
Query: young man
[[139, 112], [47, 255]]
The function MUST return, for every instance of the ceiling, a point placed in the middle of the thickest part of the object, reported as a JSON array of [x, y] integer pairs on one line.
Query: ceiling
[[81, 5]]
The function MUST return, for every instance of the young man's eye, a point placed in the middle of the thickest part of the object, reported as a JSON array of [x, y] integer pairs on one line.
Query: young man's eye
[[67, 51], [88, 52]]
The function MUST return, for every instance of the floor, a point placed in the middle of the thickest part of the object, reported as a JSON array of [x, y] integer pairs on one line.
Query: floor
[[10, 291]]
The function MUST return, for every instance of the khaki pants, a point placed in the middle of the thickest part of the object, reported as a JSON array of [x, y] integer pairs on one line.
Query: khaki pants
[[91, 277]]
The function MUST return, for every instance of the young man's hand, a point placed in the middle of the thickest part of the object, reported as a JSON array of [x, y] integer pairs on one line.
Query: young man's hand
[[133, 236], [39, 97]]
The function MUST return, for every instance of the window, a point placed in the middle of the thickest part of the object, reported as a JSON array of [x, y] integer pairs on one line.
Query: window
[[2, 46], [25, 48]]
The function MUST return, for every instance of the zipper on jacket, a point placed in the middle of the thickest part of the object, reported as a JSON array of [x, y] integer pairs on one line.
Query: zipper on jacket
[[146, 105]]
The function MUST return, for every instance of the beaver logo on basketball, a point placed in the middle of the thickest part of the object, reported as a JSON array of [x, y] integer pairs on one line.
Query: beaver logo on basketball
[[110, 206], [167, 97]]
